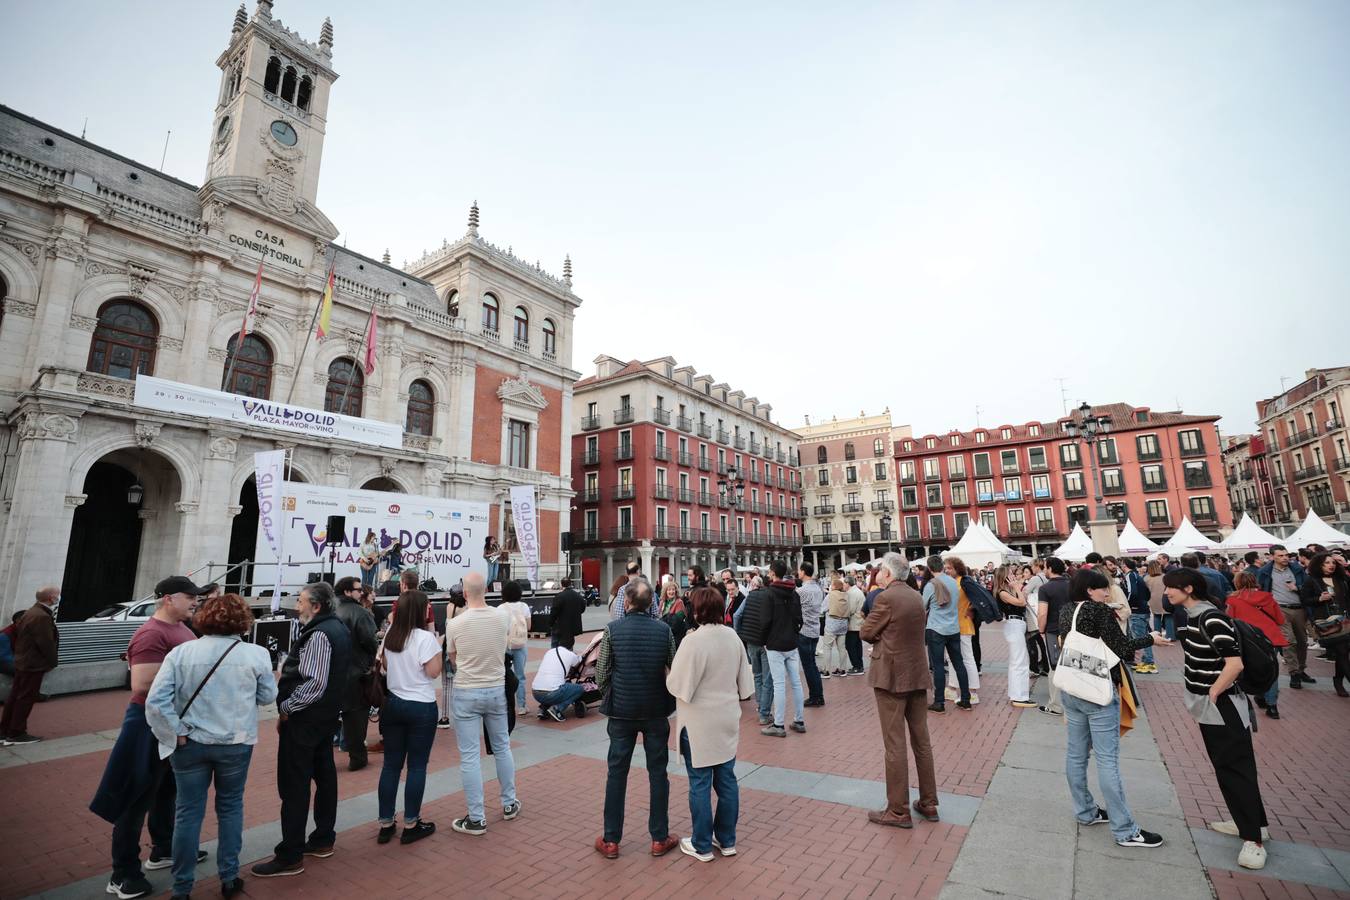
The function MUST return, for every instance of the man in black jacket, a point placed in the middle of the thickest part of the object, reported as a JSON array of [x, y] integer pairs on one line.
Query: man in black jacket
[[749, 623], [309, 698], [635, 655], [355, 711], [778, 633], [568, 606]]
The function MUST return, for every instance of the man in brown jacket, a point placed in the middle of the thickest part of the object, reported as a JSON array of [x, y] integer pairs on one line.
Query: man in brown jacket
[[35, 642], [901, 681]]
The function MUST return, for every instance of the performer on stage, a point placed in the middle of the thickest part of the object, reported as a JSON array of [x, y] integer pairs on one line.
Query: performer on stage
[[369, 560], [491, 549]]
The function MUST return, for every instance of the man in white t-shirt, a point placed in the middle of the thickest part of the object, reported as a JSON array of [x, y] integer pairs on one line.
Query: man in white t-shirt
[[552, 691], [476, 641]]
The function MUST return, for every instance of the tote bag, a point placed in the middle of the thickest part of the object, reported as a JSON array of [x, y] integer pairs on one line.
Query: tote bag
[[1085, 664]]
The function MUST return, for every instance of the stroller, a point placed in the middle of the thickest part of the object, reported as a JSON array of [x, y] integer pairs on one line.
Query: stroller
[[583, 673]]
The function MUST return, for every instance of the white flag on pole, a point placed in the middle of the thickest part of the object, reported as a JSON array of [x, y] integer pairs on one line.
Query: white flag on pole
[[526, 516]]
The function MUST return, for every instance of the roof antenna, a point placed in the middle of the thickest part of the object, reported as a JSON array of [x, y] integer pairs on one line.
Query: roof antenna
[[1283, 379], [165, 155], [1063, 395], [977, 415], [84, 127]]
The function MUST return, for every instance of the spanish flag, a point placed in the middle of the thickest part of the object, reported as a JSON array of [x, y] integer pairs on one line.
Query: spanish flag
[[325, 306]]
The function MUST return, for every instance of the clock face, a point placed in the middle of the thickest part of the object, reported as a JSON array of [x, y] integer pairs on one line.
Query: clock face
[[283, 133]]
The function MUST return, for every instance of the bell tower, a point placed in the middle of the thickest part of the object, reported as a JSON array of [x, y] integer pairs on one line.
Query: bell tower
[[268, 130]]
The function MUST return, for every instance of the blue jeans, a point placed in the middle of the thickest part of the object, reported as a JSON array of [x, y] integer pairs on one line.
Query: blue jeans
[[194, 766], [759, 664], [1139, 628], [518, 658], [806, 649], [562, 698], [368, 577], [492, 573], [782, 664], [408, 728], [473, 709], [1273, 695], [702, 782], [1164, 623], [1096, 728], [952, 644]]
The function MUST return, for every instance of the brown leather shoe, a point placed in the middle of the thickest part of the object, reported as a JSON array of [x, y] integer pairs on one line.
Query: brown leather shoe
[[927, 813], [661, 848], [607, 849], [377, 747], [886, 817]]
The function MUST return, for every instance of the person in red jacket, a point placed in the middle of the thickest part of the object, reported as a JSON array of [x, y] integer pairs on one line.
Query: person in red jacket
[[1259, 609]]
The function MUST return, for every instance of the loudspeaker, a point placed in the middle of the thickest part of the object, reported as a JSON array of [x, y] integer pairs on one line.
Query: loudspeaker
[[566, 541], [337, 526], [428, 586], [388, 589]]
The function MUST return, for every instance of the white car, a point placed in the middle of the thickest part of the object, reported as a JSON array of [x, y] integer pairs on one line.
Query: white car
[[125, 612]]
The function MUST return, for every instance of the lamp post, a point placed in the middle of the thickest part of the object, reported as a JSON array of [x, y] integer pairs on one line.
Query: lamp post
[[886, 531], [1092, 430], [732, 491]]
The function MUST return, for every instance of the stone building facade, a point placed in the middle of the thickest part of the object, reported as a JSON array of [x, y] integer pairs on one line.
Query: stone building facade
[[1307, 443], [109, 268]]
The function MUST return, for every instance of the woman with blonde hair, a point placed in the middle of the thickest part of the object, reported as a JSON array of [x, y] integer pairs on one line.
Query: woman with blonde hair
[[832, 652], [1012, 602], [1161, 618]]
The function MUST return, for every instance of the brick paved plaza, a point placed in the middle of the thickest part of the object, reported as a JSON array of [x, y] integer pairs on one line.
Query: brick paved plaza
[[1007, 827]]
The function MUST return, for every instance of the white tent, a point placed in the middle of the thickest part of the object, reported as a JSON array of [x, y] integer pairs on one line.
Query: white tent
[[980, 546], [1249, 536], [1315, 531], [854, 567], [1133, 543], [1187, 538], [1077, 547]]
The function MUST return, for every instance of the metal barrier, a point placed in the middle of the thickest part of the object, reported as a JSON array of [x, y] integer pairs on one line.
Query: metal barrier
[[83, 642]]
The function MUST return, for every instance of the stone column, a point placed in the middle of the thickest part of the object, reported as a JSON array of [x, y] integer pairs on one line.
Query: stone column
[[59, 282], [1104, 538], [609, 570], [392, 406], [645, 554], [202, 538]]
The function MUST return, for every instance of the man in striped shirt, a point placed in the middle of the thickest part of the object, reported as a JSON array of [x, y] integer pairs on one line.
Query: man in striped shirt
[[1213, 664]]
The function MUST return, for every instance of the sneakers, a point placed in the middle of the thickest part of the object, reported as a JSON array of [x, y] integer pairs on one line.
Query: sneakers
[[555, 714], [163, 862], [1143, 839], [661, 848], [815, 701], [840, 672], [799, 727], [417, 832], [230, 888], [1051, 711], [766, 720], [687, 848], [520, 712], [725, 851], [1294, 683], [386, 833], [318, 851], [443, 722], [937, 708], [1024, 704], [1101, 818], [127, 888], [855, 671], [966, 705], [1303, 677], [773, 731], [26, 738], [974, 699], [1253, 856], [511, 810], [1229, 827], [928, 814], [275, 868], [469, 826], [1146, 669], [822, 675]]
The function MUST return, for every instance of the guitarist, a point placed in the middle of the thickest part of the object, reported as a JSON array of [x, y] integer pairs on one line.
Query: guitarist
[[369, 559]]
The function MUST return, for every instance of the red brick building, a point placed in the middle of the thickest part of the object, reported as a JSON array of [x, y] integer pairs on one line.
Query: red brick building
[[1030, 483], [1308, 448], [652, 440]]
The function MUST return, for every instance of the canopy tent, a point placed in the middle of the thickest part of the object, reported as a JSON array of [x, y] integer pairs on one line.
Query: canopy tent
[[1249, 536], [1187, 538], [979, 546], [1133, 543], [1077, 547], [854, 567], [1315, 531]]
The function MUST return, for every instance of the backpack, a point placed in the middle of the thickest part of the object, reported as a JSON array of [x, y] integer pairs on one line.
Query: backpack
[[518, 633], [981, 601], [1260, 662]]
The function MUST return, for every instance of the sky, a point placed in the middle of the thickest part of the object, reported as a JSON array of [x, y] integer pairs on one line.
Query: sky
[[940, 208]]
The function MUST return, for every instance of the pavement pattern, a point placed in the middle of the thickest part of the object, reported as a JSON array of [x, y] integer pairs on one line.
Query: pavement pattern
[[1007, 827]]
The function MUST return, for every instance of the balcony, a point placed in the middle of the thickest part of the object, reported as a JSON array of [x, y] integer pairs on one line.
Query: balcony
[[661, 416], [1323, 508], [684, 424], [1232, 480], [793, 459], [1150, 455], [1046, 528], [913, 537], [625, 492], [780, 456], [754, 476], [1277, 480], [756, 447], [590, 496], [1013, 496], [586, 536], [1204, 518], [827, 510], [767, 452], [1082, 491], [1159, 523], [1335, 425], [661, 492], [1040, 493], [1118, 490], [706, 498], [623, 415], [590, 458], [755, 507], [590, 423], [932, 477], [621, 533], [723, 437], [881, 476], [662, 453], [1016, 529], [907, 479], [1197, 481], [851, 509], [883, 505], [1301, 437], [704, 431], [685, 495], [705, 463], [623, 451], [1011, 469], [1316, 471], [1197, 450], [1341, 463], [937, 534], [1039, 467], [1075, 463], [738, 442], [663, 533], [982, 469], [956, 476], [962, 500], [685, 458]]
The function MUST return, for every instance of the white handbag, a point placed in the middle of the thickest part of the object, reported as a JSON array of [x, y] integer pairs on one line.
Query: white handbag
[[1084, 667]]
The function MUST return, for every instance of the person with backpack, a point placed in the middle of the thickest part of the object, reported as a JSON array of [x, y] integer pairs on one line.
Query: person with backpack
[[1214, 648], [968, 625], [517, 636], [1258, 608]]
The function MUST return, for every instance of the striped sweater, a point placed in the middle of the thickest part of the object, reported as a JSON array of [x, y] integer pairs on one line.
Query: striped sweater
[[1206, 645]]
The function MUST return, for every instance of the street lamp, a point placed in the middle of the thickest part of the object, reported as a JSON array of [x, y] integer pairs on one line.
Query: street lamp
[[1091, 430], [886, 531], [135, 493], [732, 491]]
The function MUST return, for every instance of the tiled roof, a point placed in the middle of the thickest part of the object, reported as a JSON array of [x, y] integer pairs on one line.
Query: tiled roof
[[1122, 416]]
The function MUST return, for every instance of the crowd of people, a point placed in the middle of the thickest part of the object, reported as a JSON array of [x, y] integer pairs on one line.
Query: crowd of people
[[698, 651]]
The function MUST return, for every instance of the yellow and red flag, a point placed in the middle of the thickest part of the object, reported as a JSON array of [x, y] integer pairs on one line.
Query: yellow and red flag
[[325, 306]]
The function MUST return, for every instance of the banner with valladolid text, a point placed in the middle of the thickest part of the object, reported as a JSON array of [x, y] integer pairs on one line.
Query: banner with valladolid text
[[526, 516], [269, 468]]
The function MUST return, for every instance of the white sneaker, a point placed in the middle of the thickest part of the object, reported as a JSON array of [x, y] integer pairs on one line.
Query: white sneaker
[[1229, 827], [687, 848], [726, 851], [1253, 856]]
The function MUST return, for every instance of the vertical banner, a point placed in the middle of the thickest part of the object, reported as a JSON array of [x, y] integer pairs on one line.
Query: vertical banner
[[526, 517], [270, 475]]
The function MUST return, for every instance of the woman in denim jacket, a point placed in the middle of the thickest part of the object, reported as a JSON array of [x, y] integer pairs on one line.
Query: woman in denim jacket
[[214, 737]]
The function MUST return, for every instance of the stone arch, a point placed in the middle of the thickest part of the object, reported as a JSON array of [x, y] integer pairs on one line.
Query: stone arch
[[227, 326], [432, 376], [113, 286], [244, 469], [20, 273], [184, 459], [391, 478]]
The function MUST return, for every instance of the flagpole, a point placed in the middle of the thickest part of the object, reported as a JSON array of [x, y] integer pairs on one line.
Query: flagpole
[[308, 337], [356, 361], [239, 341]]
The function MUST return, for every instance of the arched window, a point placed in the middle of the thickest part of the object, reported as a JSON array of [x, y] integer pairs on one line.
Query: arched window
[[251, 374], [421, 408], [822, 455], [848, 450], [272, 78], [490, 313], [522, 326], [124, 340], [288, 85], [303, 95], [341, 372], [452, 303], [550, 338]]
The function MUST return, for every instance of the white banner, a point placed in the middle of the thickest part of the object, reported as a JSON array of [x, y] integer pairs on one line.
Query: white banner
[[270, 477], [440, 537], [191, 400], [526, 516]]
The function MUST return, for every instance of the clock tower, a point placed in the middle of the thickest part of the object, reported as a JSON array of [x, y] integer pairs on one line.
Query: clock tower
[[267, 133]]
